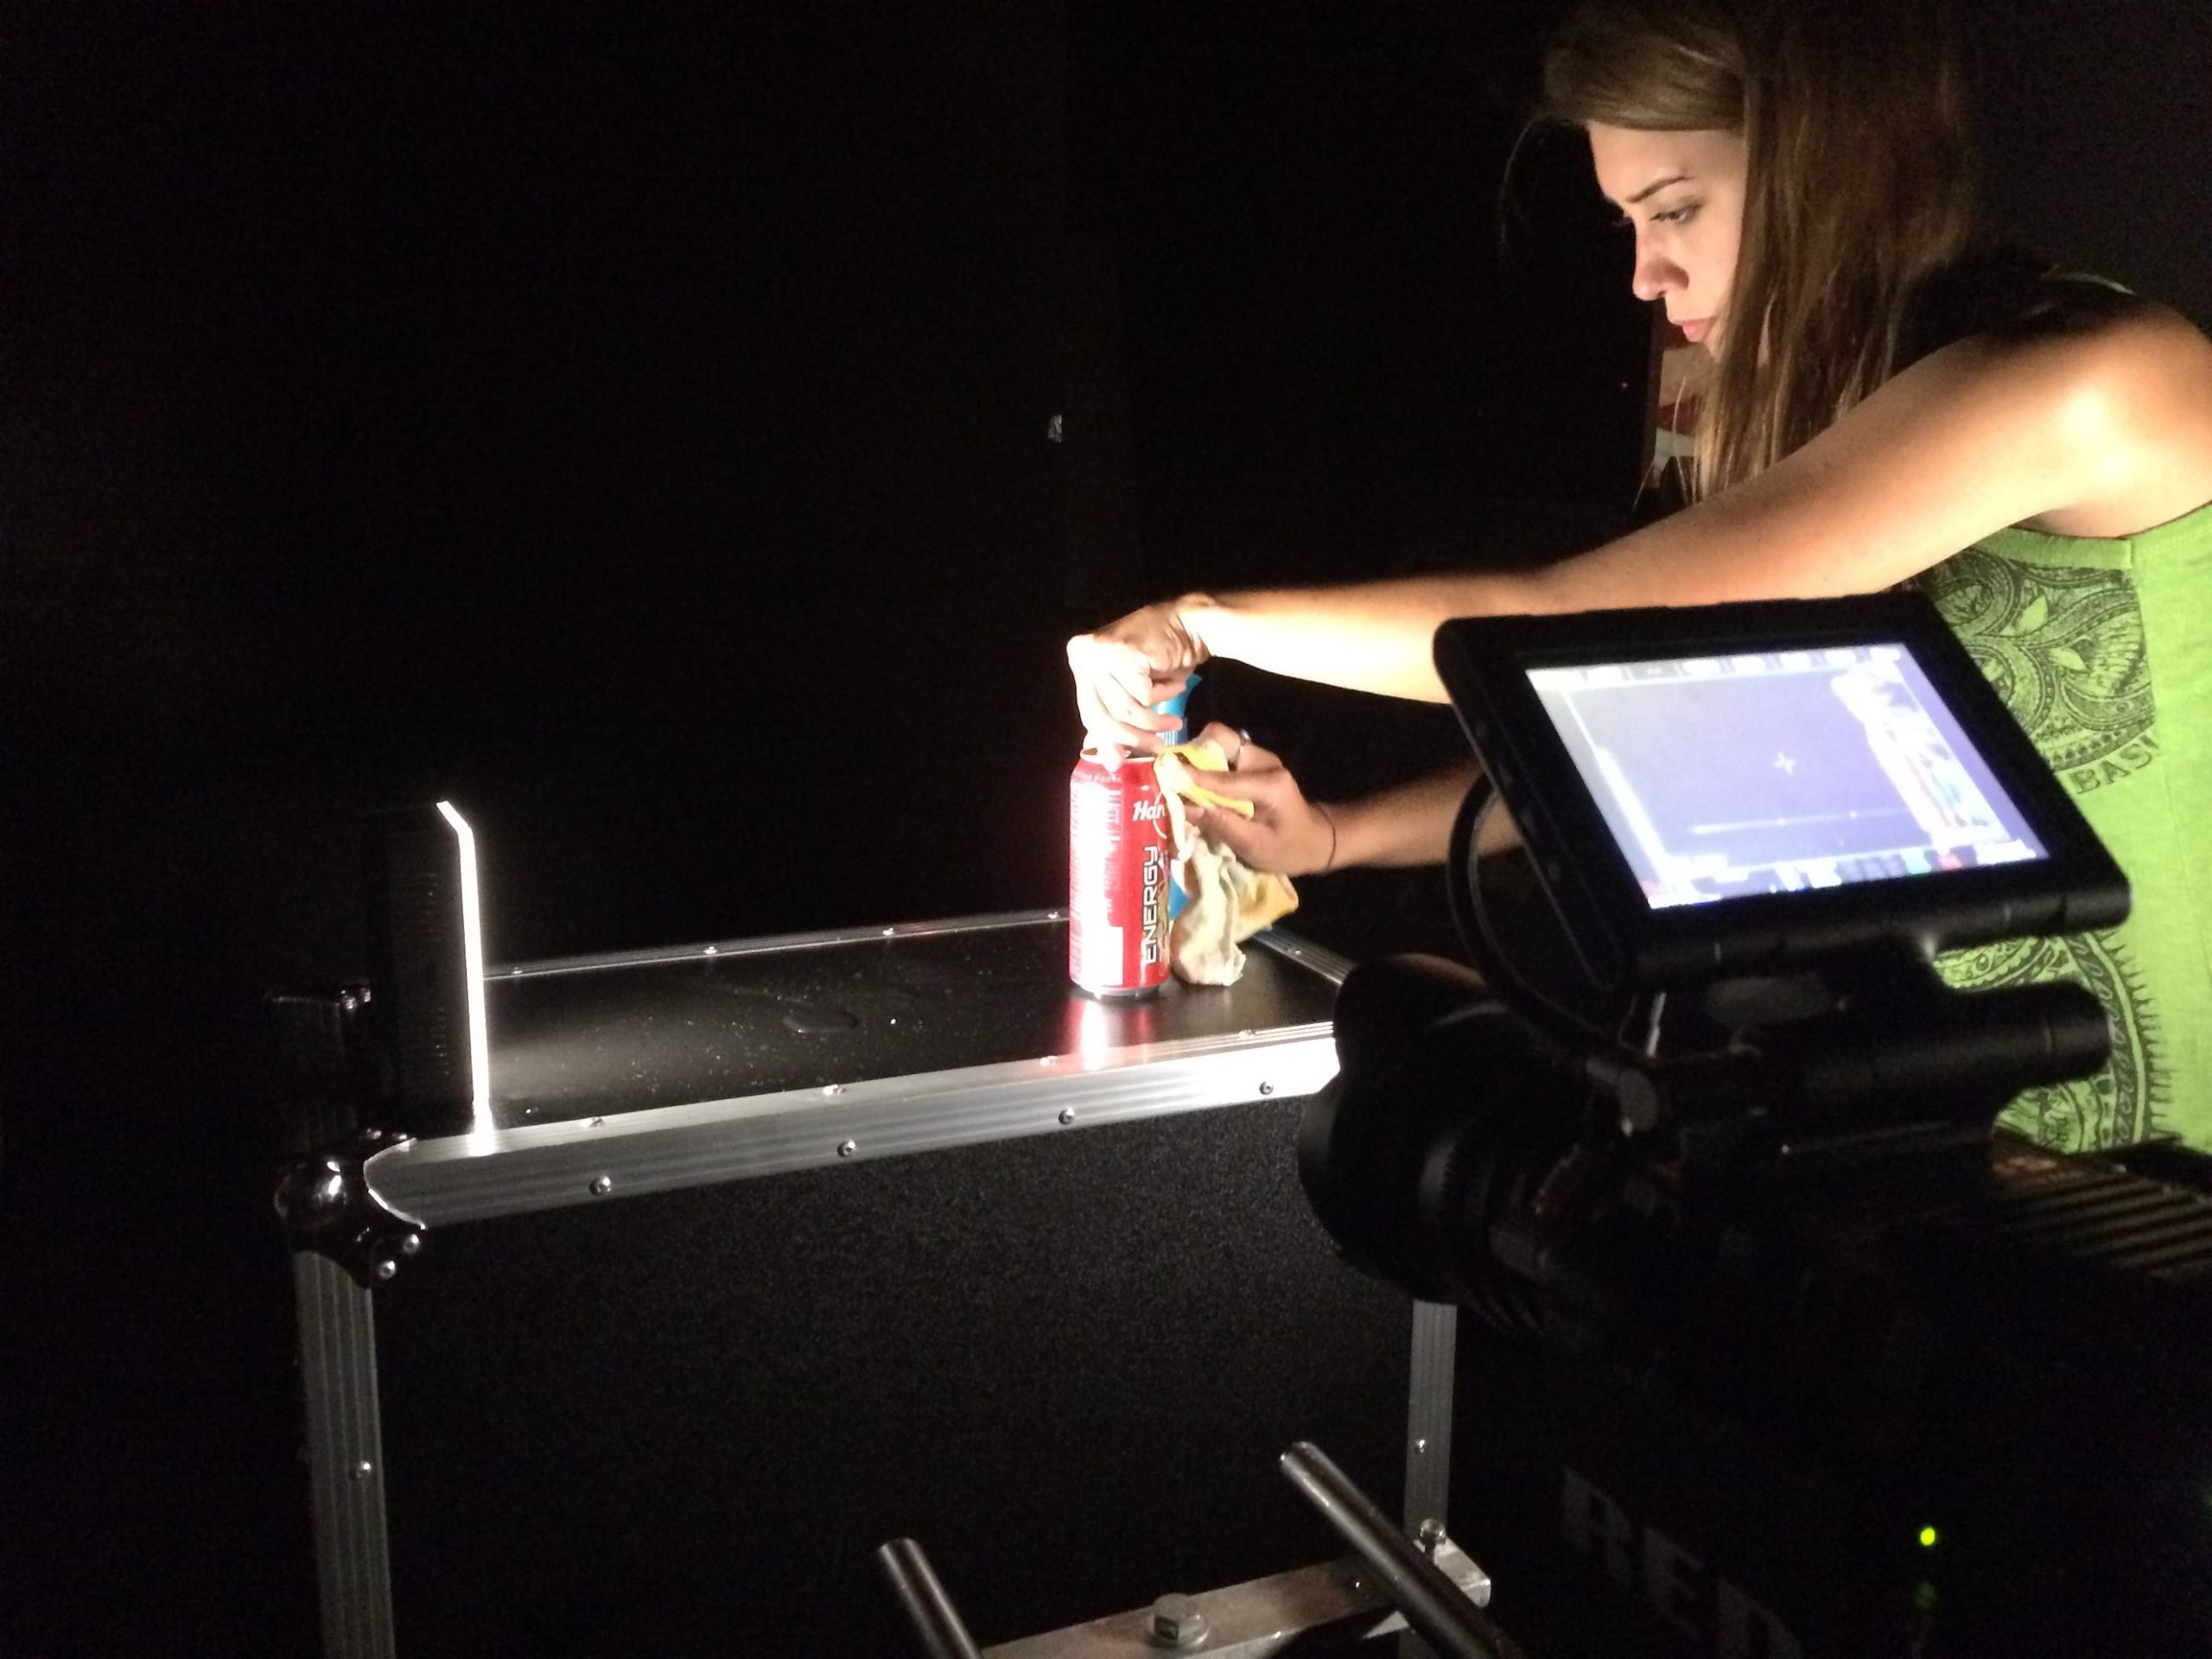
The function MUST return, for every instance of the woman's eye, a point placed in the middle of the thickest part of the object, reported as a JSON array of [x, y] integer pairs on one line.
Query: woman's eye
[[1681, 215]]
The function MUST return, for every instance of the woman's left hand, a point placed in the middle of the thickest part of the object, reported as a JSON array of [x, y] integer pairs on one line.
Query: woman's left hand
[[1286, 833]]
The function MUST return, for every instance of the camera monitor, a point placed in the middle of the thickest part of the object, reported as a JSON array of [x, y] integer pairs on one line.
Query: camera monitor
[[1736, 788]]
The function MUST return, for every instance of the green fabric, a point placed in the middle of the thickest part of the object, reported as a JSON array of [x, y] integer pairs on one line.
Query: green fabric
[[2103, 650]]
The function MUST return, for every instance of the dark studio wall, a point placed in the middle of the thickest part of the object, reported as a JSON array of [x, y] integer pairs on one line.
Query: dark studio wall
[[635, 423], [2094, 118]]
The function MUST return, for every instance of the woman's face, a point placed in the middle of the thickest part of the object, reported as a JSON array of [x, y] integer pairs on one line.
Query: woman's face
[[1682, 193]]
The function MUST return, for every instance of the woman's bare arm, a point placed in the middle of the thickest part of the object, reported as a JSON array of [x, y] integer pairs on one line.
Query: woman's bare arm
[[2099, 432], [1412, 823]]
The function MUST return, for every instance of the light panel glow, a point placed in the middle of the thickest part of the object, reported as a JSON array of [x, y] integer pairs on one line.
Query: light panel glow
[[472, 948]]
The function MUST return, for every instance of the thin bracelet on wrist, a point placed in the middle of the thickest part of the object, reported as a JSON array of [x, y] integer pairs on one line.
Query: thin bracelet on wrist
[[1329, 818]]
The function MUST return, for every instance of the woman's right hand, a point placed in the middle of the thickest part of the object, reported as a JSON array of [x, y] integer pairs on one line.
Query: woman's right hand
[[1126, 667], [1286, 833]]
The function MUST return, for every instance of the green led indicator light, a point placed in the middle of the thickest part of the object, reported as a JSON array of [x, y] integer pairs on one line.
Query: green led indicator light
[[1928, 1537]]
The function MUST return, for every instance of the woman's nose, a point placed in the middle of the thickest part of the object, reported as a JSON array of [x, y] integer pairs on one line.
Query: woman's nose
[[1655, 276]]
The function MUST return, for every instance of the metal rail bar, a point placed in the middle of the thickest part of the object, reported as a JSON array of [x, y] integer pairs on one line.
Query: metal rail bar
[[929, 1611], [1430, 1601]]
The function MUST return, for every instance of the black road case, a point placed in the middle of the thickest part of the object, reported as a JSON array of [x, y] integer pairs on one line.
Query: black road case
[[767, 1252]]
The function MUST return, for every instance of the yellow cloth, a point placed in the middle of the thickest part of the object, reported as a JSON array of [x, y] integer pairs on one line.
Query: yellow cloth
[[1227, 900]]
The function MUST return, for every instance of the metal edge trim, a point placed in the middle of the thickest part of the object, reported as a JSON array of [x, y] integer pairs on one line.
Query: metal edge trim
[[773, 942], [1303, 952], [1431, 1372], [510, 1171], [338, 1374]]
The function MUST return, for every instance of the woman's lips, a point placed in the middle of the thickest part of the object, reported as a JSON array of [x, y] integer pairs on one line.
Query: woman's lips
[[1694, 331]]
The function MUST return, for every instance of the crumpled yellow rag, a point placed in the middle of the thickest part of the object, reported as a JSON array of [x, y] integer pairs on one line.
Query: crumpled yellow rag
[[1229, 901]]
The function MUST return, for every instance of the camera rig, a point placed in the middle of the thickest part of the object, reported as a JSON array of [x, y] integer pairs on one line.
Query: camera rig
[[1789, 1343]]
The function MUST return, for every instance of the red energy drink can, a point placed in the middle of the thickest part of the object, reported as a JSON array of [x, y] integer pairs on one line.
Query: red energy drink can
[[1118, 854]]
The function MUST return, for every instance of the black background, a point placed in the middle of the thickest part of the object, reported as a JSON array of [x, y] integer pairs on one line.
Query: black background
[[633, 422]]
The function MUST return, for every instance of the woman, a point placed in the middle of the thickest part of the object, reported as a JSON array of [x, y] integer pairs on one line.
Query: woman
[[1887, 404]]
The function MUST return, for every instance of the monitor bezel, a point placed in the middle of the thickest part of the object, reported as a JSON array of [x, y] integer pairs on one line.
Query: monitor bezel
[[1621, 938]]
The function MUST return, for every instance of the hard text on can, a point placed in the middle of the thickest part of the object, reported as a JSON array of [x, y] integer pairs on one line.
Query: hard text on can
[[1118, 855]]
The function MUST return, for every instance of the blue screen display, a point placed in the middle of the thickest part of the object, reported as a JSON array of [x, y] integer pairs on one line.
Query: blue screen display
[[1780, 771]]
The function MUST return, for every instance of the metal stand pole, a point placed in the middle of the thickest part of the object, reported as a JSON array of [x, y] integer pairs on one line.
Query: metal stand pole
[[1430, 1601]]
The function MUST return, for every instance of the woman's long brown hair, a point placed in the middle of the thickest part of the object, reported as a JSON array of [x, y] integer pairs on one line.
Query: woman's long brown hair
[[1861, 185]]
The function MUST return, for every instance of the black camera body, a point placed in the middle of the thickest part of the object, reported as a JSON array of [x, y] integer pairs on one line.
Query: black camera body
[[1949, 1397], [1781, 1347]]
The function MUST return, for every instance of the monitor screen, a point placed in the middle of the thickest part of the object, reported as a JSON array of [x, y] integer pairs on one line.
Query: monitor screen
[[1742, 787], [1766, 771]]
